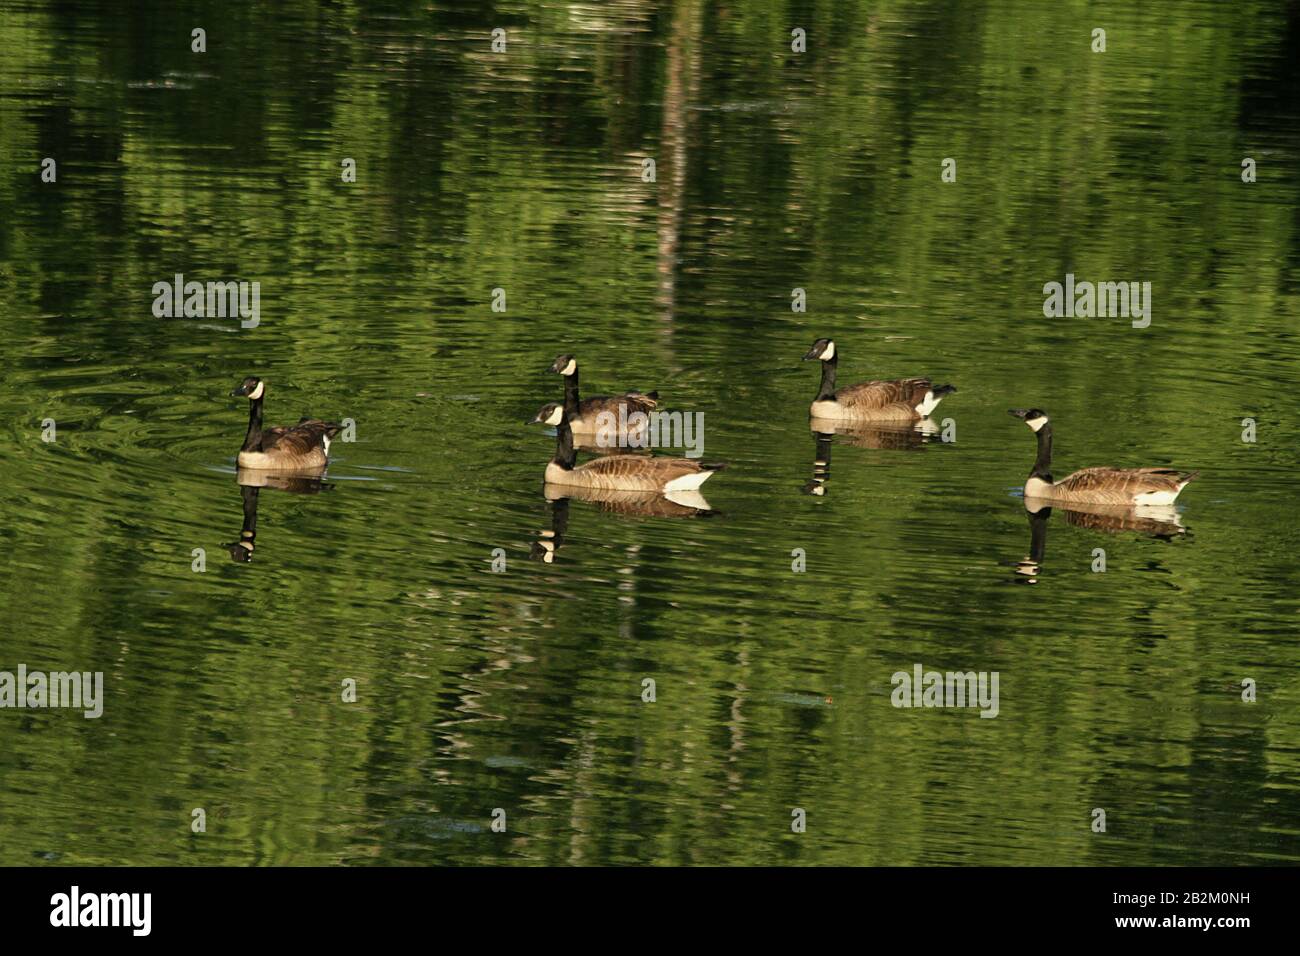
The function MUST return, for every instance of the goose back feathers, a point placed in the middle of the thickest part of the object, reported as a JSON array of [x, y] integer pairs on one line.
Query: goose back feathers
[[1121, 486]]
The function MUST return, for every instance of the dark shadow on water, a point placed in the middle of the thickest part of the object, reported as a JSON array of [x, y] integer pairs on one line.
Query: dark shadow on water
[[251, 483], [635, 504], [1154, 521], [879, 436]]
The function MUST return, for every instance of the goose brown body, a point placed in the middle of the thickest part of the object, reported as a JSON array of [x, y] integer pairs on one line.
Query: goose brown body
[[298, 447], [1115, 486], [641, 504], [589, 411], [628, 473], [881, 401]]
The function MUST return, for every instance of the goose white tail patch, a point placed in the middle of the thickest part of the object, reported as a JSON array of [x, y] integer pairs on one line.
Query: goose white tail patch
[[1157, 497], [928, 404], [688, 482], [325, 440]]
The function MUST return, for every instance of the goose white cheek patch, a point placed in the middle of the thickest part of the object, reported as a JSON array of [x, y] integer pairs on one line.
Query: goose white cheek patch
[[257, 392], [570, 368], [1036, 423], [829, 353]]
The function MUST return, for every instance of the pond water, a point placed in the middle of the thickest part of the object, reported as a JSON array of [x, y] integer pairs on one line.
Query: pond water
[[521, 689]]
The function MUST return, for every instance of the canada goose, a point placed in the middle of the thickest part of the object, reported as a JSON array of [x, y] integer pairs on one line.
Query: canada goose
[[1099, 486], [904, 399], [614, 416], [300, 447], [617, 472]]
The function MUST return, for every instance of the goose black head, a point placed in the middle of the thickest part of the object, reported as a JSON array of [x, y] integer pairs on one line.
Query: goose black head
[[549, 414], [1035, 418], [565, 364], [823, 349], [251, 388]]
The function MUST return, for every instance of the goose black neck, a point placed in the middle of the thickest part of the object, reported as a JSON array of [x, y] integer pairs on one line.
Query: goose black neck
[[1043, 463], [565, 456], [571, 393], [253, 440], [828, 378]]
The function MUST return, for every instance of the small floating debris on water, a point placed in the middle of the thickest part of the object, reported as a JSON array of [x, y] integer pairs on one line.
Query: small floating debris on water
[[803, 700], [505, 760], [164, 84], [440, 828]]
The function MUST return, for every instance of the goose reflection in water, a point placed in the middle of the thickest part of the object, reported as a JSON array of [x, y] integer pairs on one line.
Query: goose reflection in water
[[251, 482], [903, 436], [1155, 521], [639, 504]]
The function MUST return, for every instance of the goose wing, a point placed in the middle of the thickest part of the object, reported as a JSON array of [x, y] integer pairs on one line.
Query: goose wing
[[1122, 485], [872, 396], [618, 469], [308, 434]]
